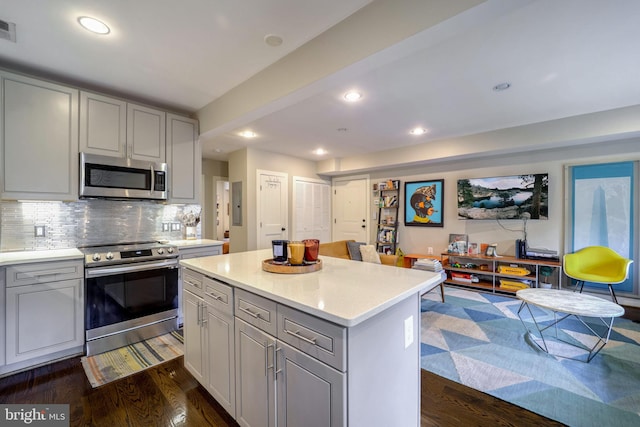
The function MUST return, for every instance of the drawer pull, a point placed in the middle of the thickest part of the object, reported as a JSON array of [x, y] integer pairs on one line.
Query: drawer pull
[[214, 296], [196, 285], [296, 334], [250, 313]]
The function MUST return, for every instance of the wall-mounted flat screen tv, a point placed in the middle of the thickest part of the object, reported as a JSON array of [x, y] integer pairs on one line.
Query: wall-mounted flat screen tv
[[504, 197]]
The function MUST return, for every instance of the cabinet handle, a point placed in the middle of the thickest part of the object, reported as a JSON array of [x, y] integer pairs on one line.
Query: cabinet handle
[[204, 315], [250, 313], [214, 296], [275, 358], [195, 285], [296, 334], [266, 359], [198, 322]]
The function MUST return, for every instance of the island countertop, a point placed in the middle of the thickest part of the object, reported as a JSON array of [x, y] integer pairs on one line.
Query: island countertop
[[344, 292]]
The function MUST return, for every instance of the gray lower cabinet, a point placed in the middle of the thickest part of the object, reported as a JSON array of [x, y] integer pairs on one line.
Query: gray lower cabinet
[[290, 368], [277, 384], [188, 253], [255, 380], [309, 393], [209, 352], [44, 312], [2, 309]]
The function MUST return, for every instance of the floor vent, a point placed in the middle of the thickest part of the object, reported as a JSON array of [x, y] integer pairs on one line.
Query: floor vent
[[7, 31]]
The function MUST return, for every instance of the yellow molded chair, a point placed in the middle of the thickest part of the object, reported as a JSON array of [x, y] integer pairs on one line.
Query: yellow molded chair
[[597, 264]]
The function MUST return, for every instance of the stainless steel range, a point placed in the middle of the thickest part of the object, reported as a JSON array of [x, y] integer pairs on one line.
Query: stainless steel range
[[131, 293]]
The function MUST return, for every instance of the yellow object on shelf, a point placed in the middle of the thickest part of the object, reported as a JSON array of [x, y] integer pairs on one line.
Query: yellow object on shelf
[[516, 271], [512, 285]]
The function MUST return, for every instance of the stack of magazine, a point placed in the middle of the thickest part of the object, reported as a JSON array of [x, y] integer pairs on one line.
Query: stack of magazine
[[428, 264]]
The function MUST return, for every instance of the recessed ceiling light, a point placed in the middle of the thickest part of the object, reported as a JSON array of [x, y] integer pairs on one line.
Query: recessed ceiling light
[[93, 25], [273, 40], [320, 151], [352, 96], [501, 86], [248, 134], [418, 131]]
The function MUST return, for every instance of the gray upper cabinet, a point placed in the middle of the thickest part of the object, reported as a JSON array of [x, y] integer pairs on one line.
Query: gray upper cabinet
[[184, 159], [103, 125], [146, 133], [113, 127], [39, 139]]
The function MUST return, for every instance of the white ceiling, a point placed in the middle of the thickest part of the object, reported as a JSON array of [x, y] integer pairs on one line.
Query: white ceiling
[[562, 58]]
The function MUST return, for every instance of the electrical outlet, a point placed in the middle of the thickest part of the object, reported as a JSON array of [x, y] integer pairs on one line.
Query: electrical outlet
[[408, 331], [38, 231], [165, 226], [175, 226]]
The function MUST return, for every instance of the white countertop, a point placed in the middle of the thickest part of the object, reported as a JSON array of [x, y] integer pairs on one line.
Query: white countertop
[[23, 257], [196, 243], [344, 292]]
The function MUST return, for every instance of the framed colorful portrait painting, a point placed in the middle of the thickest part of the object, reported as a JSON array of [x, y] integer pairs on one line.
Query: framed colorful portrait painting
[[424, 203]]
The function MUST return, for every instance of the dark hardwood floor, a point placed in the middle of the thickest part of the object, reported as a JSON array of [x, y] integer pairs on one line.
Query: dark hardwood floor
[[167, 395]]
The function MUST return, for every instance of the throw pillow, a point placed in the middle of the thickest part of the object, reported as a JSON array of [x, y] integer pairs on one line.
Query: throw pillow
[[369, 254], [354, 250]]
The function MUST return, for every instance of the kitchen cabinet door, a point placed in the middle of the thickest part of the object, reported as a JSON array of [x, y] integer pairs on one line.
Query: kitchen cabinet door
[[39, 139], [43, 319], [2, 310], [193, 336], [220, 351], [103, 125], [309, 393], [146, 133], [184, 158], [255, 384]]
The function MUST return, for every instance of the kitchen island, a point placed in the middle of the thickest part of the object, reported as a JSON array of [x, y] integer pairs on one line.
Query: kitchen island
[[339, 346]]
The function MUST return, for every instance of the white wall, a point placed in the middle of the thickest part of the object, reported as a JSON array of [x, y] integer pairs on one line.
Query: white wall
[[541, 233], [242, 167]]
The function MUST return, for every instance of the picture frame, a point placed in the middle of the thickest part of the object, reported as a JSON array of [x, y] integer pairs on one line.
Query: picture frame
[[458, 243], [473, 249], [424, 205], [491, 251]]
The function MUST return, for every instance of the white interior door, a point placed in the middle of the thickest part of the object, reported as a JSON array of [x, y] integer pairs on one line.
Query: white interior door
[[311, 209], [273, 217], [351, 209]]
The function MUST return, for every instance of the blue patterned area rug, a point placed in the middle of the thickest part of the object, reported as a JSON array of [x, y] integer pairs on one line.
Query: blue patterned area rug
[[477, 339]]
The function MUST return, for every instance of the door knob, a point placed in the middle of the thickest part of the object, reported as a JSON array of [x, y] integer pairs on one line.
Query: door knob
[[282, 229], [364, 226]]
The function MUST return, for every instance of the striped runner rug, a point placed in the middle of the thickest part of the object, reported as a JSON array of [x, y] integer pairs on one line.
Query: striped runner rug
[[124, 361]]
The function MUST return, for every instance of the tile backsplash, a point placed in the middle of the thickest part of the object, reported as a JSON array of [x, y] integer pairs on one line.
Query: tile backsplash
[[87, 222]]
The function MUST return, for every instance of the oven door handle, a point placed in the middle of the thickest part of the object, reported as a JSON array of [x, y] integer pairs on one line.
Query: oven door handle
[[130, 268]]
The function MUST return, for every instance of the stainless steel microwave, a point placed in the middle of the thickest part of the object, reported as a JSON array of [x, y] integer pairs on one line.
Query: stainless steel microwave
[[118, 178]]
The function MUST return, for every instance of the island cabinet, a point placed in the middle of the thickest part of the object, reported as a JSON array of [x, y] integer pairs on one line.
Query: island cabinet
[[209, 336], [44, 312], [114, 127], [311, 350], [38, 139], [187, 251], [287, 385]]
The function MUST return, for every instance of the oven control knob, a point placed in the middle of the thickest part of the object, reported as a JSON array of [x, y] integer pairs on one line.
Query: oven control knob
[[170, 250], [96, 257], [160, 251], [109, 255]]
